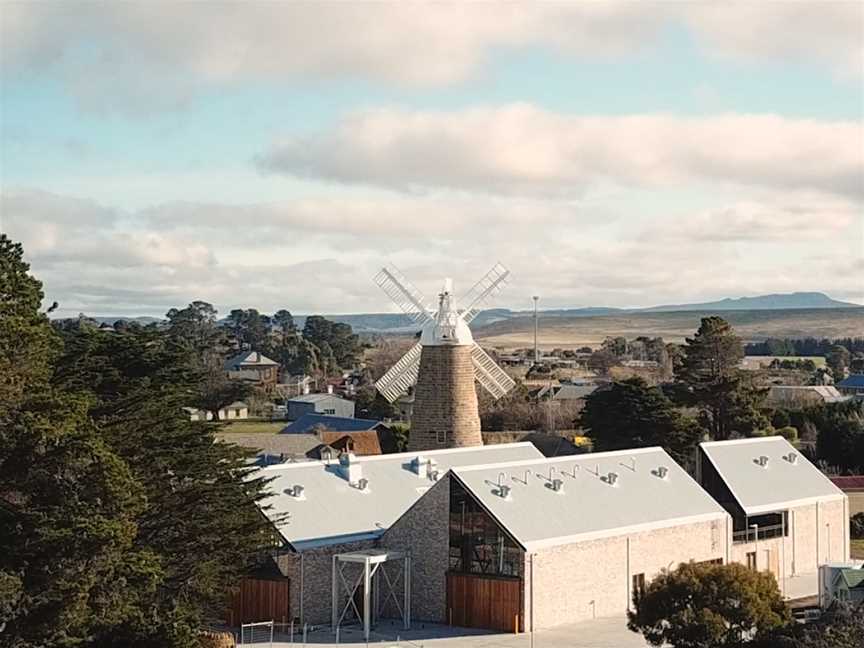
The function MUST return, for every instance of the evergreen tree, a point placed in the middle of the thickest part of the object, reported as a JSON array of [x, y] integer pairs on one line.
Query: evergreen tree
[[68, 504], [838, 359], [709, 606], [729, 403], [137, 383], [631, 414]]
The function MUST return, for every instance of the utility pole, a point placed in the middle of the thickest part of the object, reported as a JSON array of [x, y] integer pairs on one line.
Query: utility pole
[[536, 349]]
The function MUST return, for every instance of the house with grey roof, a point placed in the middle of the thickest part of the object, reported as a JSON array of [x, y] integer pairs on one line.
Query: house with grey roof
[[253, 367], [327, 404], [787, 516], [800, 396]]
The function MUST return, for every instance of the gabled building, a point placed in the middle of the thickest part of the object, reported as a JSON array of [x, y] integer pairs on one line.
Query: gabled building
[[537, 543], [324, 508], [800, 396], [787, 516], [254, 367], [853, 486], [327, 404]]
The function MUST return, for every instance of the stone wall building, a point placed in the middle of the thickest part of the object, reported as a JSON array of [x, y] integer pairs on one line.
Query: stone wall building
[[502, 538], [539, 543], [324, 508]]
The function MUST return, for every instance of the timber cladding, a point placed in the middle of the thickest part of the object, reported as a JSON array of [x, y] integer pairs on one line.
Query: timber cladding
[[493, 603], [261, 600]]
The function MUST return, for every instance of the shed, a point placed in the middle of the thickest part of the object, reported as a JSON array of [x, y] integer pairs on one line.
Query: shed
[[326, 404]]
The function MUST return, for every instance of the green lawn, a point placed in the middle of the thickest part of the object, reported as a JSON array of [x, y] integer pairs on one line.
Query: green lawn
[[858, 549], [252, 427]]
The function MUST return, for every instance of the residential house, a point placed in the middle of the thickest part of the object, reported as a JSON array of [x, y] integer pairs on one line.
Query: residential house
[[238, 410], [254, 367], [853, 486], [849, 585], [800, 396]]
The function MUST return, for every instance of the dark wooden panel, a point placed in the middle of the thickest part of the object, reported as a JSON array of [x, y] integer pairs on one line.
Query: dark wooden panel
[[261, 600], [475, 601]]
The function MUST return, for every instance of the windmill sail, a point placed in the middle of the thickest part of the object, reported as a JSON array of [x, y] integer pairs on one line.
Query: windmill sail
[[493, 378], [404, 294], [491, 283], [401, 375]]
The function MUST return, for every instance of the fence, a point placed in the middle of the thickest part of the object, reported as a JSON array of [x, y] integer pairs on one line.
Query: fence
[[257, 634], [764, 533]]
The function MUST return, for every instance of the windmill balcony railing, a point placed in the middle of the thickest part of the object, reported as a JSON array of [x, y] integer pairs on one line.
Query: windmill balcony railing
[[762, 533]]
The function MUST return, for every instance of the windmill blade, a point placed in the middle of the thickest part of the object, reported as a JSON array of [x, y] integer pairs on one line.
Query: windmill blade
[[491, 283], [493, 378], [401, 375], [404, 294]]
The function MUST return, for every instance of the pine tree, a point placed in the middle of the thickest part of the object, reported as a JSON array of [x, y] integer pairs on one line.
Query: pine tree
[[631, 414], [714, 382], [68, 504]]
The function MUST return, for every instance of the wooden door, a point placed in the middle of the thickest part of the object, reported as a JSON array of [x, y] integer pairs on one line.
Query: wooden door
[[476, 601], [261, 600]]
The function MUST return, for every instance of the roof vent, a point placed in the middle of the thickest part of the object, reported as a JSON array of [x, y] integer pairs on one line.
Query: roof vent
[[420, 466], [350, 468], [504, 491], [557, 485], [612, 478], [434, 475], [362, 484], [662, 472], [762, 461], [792, 458], [296, 491]]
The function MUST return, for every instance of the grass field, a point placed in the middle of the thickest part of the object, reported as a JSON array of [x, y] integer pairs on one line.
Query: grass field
[[566, 332], [251, 427], [857, 547]]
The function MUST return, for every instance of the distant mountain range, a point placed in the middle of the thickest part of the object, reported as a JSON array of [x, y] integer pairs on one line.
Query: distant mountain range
[[395, 323], [779, 301]]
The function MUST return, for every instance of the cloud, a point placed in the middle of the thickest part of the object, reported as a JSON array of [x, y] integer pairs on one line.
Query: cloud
[[103, 260], [521, 149], [809, 218], [160, 54], [830, 32]]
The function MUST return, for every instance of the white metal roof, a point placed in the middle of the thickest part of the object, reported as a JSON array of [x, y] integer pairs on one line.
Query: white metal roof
[[330, 510], [314, 398], [779, 484], [589, 505]]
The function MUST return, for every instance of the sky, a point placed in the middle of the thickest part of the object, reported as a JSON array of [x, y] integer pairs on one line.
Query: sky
[[274, 155]]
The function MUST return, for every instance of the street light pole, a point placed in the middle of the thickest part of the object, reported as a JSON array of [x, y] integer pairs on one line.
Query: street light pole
[[536, 298]]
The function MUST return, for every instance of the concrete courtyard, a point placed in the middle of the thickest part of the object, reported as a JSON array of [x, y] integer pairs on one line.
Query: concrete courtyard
[[600, 633]]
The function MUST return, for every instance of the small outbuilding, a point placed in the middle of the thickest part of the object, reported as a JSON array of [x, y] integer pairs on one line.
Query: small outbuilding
[[326, 404]]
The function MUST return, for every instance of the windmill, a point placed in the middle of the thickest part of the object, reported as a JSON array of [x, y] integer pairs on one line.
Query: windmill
[[445, 362]]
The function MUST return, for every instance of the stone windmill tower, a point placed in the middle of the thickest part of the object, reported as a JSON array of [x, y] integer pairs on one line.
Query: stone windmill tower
[[445, 362]]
